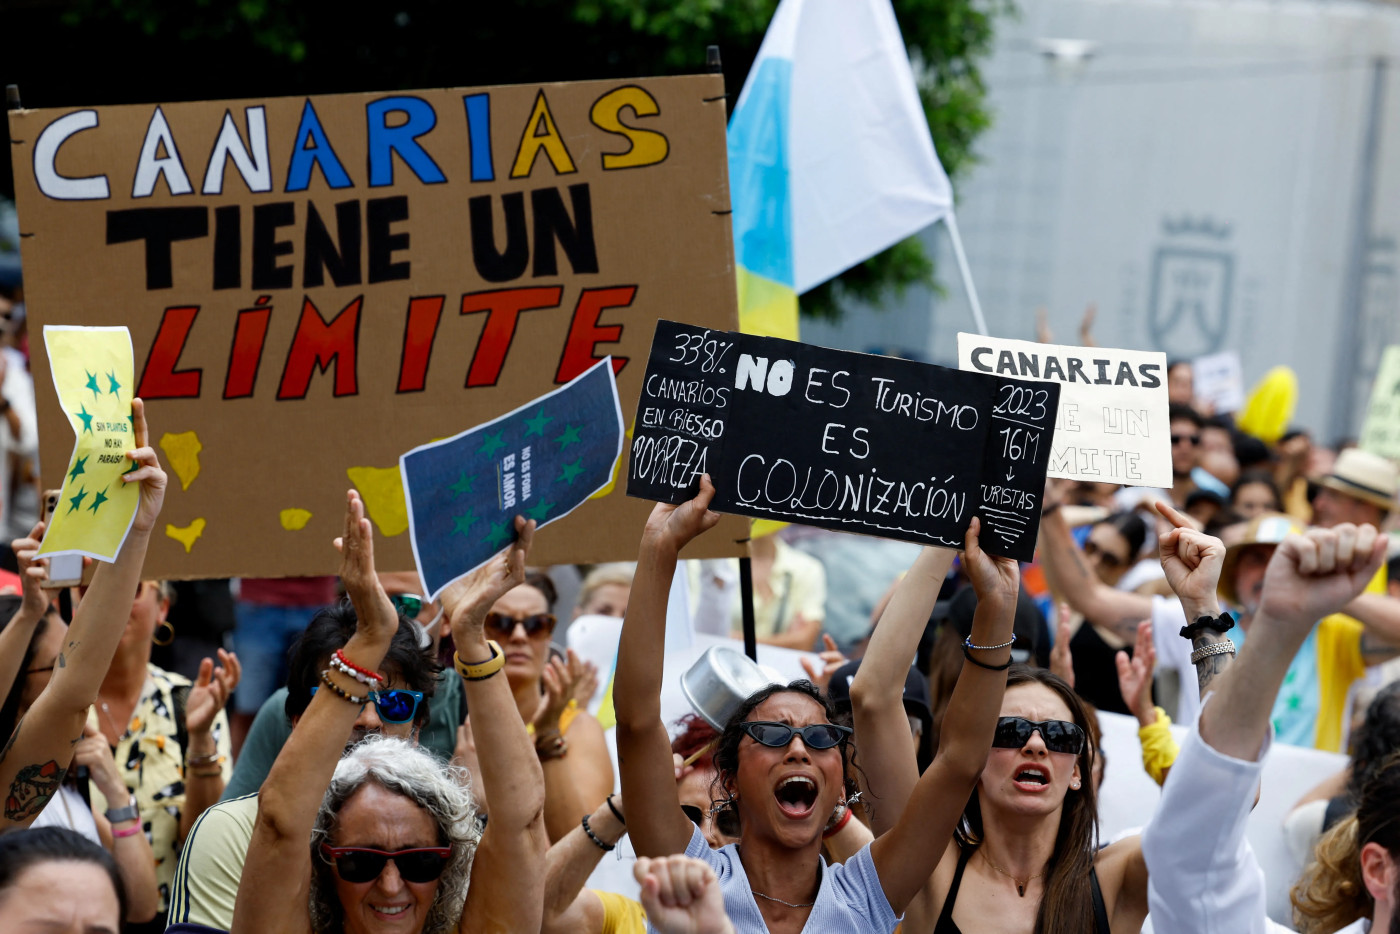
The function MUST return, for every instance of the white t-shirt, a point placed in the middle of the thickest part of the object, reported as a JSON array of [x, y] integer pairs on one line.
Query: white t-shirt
[[68, 810], [1174, 652]]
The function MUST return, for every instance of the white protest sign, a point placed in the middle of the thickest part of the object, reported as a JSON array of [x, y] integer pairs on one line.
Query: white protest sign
[[1219, 381], [1112, 423], [1381, 433]]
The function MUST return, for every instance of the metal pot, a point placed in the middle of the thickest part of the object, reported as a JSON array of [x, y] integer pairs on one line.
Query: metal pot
[[719, 681]]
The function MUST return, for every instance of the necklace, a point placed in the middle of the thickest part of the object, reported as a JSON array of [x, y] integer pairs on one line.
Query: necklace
[[102, 705], [781, 902], [1020, 886]]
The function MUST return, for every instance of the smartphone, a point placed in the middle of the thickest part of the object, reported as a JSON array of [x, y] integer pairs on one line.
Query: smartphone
[[64, 570]]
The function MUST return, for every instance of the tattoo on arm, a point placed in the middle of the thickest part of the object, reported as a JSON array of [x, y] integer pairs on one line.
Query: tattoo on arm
[[1079, 564], [1212, 666], [32, 789]]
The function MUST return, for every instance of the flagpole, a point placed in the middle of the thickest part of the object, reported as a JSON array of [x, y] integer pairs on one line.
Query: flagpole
[[966, 273]]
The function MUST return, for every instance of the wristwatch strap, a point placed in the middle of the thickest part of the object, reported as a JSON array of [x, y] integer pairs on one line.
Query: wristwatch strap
[[117, 815]]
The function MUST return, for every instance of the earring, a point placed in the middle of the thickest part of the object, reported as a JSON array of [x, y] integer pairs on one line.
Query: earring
[[167, 625], [853, 799], [1074, 785]]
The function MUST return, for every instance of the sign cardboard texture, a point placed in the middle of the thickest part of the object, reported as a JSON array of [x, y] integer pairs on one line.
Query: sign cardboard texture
[[1112, 425], [1381, 432], [316, 285], [841, 440]]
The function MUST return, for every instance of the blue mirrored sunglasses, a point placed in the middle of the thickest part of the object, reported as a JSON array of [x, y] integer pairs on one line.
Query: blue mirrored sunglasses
[[396, 706]]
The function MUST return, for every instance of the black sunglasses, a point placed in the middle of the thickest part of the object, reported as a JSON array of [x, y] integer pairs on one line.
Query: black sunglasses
[[1058, 735], [503, 625], [361, 864], [1108, 557], [726, 818], [778, 735], [1194, 439]]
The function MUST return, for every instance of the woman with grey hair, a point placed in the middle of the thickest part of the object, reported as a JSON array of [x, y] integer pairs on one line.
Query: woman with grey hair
[[403, 769], [394, 838]]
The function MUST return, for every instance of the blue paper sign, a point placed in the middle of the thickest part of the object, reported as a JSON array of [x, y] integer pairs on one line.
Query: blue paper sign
[[540, 461]]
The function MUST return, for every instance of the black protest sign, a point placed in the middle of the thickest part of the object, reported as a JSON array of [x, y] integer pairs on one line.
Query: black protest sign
[[842, 440]]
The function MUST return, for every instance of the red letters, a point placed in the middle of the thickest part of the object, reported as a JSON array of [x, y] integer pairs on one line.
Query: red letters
[[320, 343], [418, 333], [585, 333], [503, 308], [159, 378], [248, 337]]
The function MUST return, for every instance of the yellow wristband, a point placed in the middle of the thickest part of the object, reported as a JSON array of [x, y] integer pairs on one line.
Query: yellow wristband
[[482, 670]]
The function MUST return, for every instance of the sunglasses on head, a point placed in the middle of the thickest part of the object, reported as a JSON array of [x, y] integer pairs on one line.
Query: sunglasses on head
[[778, 735], [535, 625], [726, 818], [1058, 735], [396, 706], [362, 864]]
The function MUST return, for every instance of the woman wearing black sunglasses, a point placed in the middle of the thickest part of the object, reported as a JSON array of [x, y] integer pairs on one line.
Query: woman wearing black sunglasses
[[390, 856], [1023, 858], [781, 763]]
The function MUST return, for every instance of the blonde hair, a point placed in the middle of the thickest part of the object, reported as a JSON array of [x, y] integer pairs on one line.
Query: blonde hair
[[616, 572], [1331, 893]]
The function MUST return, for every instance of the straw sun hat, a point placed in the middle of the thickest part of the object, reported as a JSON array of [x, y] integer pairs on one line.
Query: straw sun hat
[[1365, 476]]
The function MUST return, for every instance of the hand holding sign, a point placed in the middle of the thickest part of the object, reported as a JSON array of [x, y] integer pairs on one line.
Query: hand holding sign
[[673, 527]]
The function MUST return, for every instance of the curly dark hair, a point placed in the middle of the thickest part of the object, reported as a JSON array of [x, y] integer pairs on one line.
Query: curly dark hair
[[1377, 738]]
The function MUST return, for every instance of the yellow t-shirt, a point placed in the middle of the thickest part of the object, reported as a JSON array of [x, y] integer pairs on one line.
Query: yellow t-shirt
[[1339, 664], [621, 915]]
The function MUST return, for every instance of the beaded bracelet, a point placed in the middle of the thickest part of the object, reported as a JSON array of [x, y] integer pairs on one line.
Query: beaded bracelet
[[339, 691], [605, 847], [967, 643], [341, 663]]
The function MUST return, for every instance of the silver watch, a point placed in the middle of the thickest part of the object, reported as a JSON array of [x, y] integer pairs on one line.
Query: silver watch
[[117, 815]]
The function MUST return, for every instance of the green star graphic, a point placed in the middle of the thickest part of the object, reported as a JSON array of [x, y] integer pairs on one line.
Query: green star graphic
[[570, 436], [97, 500], [570, 472], [87, 419], [499, 534], [75, 502], [79, 467], [92, 384], [492, 444], [113, 387], [540, 510], [463, 485], [461, 524], [535, 426]]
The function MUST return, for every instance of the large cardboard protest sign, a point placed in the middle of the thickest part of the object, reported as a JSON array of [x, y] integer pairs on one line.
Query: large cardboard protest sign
[[1381, 432], [315, 285], [842, 440], [1112, 424]]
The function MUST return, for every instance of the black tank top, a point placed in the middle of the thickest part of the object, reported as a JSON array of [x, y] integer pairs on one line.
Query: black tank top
[[945, 923]]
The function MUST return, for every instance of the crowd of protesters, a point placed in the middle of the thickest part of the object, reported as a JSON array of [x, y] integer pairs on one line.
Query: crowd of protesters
[[371, 761]]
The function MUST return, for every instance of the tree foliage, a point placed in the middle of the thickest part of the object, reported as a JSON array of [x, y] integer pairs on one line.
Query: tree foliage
[[127, 51]]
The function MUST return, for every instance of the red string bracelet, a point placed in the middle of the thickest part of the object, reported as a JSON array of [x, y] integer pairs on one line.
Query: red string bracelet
[[840, 825], [128, 832]]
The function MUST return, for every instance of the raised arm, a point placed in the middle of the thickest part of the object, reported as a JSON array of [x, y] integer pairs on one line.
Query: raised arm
[[569, 908], [273, 893], [906, 855], [1204, 877], [658, 825], [507, 891], [36, 755], [889, 765], [1069, 575], [1192, 562], [19, 631]]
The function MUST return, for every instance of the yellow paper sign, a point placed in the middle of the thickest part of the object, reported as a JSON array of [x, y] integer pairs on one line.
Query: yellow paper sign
[[93, 373]]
